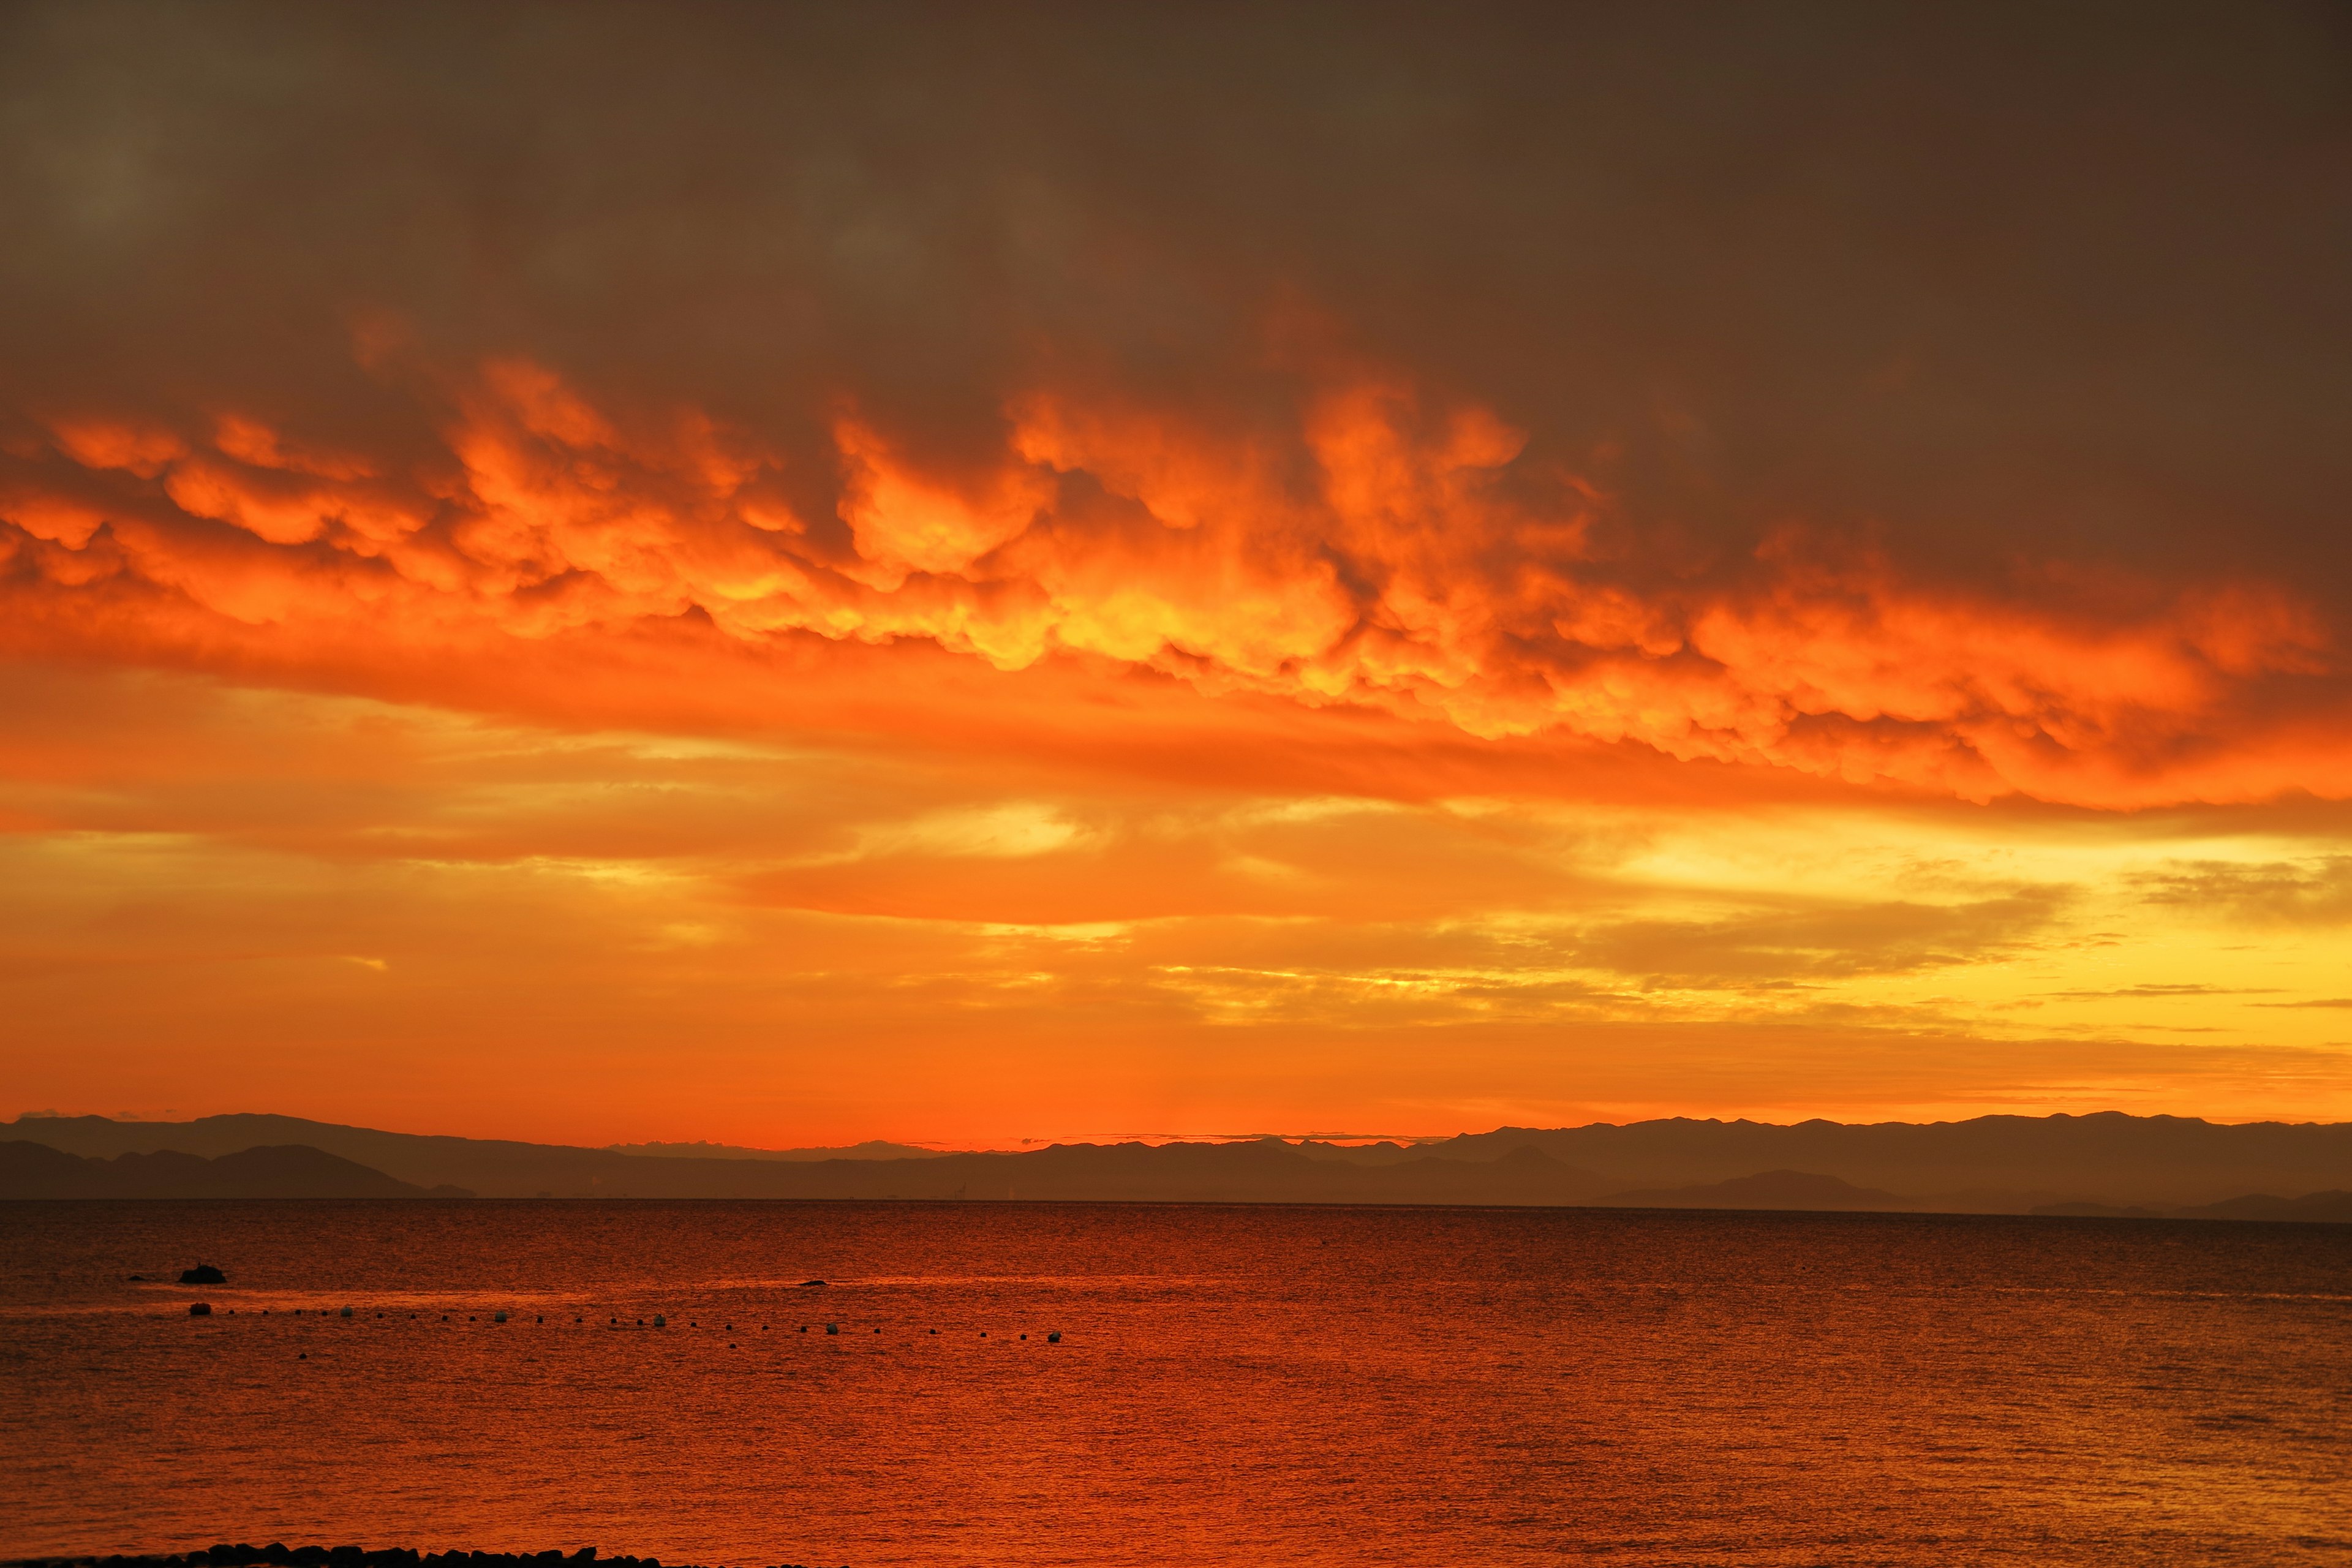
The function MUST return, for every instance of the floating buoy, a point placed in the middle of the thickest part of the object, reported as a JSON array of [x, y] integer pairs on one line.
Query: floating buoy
[[805, 1327], [877, 1331], [1055, 1338], [199, 1310], [660, 1322], [498, 1317], [935, 1330], [304, 1356], [347, 1311], [832, 1327], [983, 1333], [540, 1319]]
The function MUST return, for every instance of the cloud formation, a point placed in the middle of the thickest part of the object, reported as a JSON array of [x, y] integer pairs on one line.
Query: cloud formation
[[1378, 377], [1361, 564], [1381, 554]]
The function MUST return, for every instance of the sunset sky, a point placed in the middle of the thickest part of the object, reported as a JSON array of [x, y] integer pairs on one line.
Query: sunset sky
[[984, 573]]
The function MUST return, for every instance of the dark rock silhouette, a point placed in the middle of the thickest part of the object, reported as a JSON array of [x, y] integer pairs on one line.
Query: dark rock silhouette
[[203, 1274]]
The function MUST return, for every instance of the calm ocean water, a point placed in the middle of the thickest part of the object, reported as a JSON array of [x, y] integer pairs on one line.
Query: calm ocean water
[[1234, 1384]]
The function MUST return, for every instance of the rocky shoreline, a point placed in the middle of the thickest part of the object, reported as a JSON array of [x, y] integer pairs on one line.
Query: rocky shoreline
[[277, 1554]]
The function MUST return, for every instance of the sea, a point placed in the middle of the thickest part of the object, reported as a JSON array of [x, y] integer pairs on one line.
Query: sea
[[1232, 1384]]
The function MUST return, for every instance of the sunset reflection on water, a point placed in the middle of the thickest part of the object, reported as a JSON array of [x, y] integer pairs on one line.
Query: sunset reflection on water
[[1260, 1384]]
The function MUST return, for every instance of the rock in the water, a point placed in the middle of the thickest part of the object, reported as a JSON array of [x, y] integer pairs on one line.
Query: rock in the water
[[203, 1274]]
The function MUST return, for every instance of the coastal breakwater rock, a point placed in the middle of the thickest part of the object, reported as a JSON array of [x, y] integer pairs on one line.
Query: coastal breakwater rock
[[279, 1555]]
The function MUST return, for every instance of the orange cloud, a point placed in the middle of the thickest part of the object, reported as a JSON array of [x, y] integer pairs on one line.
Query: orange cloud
[[1387, 553]]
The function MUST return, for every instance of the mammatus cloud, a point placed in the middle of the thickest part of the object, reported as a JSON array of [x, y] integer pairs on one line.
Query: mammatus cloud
[[1383, 550], [885, 569]]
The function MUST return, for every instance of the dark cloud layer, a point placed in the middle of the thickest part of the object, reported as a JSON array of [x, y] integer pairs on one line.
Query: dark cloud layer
[[2006, 274], [2001, 343]]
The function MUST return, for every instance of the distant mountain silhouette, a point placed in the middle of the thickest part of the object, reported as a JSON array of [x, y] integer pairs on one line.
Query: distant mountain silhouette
[[1992, 1165], [30, 1170], [872, 1149], [1264, 1171], [1764, 1190], [1991, 1162], [2327, 1207], [2322, 1208]]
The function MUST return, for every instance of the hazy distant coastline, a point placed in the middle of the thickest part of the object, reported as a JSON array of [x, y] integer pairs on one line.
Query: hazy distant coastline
[[2103, 1164]]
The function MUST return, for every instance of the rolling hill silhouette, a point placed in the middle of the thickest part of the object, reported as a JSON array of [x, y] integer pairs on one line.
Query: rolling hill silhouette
[[1996, 1164]]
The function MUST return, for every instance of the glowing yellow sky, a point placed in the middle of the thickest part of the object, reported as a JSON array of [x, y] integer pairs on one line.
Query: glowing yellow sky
[[794, 574], [219, 898]]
